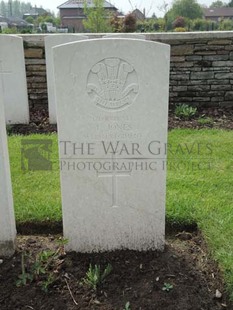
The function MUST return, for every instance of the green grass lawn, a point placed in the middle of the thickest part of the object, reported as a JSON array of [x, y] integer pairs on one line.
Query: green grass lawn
[[199, 187]]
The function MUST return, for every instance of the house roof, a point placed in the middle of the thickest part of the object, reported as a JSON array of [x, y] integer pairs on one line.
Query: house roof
[[138, 14], [79, 4], [219, 12], [3, 19], [34, 11], [16, 21]]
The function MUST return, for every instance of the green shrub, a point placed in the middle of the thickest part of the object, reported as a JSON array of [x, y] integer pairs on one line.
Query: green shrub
[[129, 23], [185, 111], [201, 24], [159, 25], [179, 22], [180, 29], [226, 24], [10, 31]]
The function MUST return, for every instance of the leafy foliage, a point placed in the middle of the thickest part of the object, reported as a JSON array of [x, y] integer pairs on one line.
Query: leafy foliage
[[116, 23], [218, 4], [226, 24], [186, 8], [151, 25], [42, 269], [179, 22], [185, 111], [180, 29], [129, 24], [127, 306], [205, 121], [98, 19], [9, 31], [24, 277], [94, 277], [29, 19], [201, 24], [167, 287]]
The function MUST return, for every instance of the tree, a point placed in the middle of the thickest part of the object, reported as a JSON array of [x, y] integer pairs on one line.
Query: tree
[[116, 23], [98, 20], [201, 24], [218, 4], [129, 24], [3, 8], [226, 24], [164, 8], [179, 22], [30, 20], [185, 8], [15, 8]]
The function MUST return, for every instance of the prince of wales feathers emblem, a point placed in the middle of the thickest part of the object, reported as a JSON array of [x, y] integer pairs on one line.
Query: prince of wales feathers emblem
[[112, 84]]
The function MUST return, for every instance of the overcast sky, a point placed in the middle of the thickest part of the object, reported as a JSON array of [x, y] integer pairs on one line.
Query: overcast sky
[[151, 6]]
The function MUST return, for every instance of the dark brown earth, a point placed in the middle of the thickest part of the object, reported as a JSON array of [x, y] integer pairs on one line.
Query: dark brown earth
[[136, 277], [218, 118]]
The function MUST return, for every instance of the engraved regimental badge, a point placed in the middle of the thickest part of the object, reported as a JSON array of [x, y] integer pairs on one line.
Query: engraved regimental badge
[[112, 84]]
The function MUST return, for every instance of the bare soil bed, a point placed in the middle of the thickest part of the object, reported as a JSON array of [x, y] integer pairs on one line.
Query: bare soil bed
[[136, 277]]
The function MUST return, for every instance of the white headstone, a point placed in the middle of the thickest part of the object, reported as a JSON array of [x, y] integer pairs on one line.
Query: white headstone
[[50, 42], [13, 79], [7, 220], [112, 97]]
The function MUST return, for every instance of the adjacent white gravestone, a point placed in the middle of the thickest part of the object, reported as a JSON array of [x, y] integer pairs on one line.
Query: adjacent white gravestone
[[13, 79], [7, 220], [112, 101], [126, 36], [50, 42]]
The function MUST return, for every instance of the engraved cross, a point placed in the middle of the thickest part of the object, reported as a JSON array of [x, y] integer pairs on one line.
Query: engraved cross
[[114, 174]]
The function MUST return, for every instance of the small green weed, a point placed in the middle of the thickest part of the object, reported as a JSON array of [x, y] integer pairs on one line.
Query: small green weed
[[205, 121], [47, 282], [167, 287], [127, 306], [24, 278], [185, 111], [9, 129], [42, 269], [94, 277]]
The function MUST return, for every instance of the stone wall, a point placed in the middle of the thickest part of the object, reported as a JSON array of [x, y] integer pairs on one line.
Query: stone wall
[[36, 70], [201, 67]]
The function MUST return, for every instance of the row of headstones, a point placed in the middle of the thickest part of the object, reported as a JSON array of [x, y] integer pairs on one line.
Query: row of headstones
[[111, 99], [13, 75]]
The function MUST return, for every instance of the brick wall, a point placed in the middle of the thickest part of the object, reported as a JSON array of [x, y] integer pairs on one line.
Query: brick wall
[[201, 67]]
